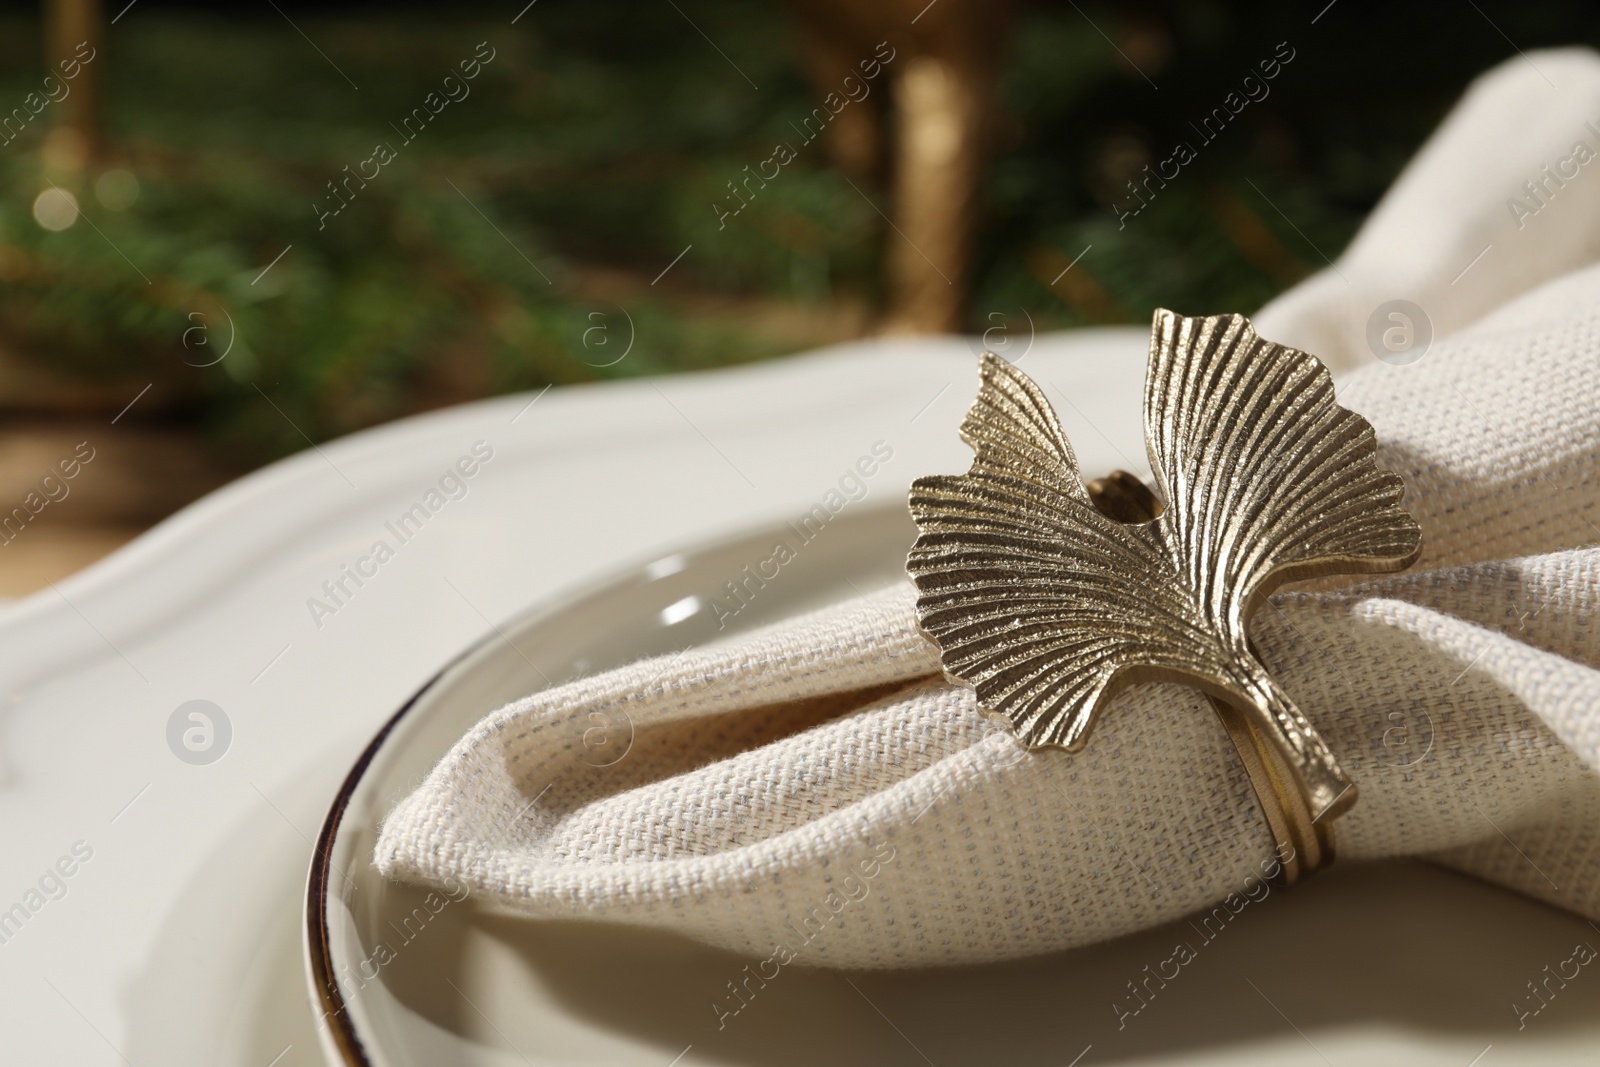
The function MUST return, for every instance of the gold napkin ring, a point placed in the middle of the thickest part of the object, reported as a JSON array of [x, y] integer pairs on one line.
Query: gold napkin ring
[[1048, 596]]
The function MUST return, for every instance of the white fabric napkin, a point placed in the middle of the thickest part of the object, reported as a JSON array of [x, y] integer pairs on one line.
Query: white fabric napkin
[[1481, 214], [815, 792]]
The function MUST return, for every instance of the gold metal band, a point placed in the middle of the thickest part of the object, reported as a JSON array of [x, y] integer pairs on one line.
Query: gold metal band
[[1304, 844]]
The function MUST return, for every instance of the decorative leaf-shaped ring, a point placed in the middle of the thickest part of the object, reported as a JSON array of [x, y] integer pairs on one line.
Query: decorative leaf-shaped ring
[[1047, 596]]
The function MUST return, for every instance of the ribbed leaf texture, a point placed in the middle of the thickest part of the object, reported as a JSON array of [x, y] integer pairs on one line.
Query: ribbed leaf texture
[[1046, 607]]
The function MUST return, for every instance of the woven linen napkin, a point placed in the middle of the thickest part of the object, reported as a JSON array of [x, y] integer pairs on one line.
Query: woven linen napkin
[[816, 792]]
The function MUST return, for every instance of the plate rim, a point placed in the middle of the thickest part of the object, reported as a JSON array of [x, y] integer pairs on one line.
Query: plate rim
[[317, 946], [318, 951]]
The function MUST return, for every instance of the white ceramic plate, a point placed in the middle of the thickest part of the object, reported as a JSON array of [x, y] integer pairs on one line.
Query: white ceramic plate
[[1390, 963], [180, 944]]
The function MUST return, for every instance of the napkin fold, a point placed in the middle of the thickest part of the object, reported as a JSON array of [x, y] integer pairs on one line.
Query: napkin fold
[[816, 792], [1501, 199]]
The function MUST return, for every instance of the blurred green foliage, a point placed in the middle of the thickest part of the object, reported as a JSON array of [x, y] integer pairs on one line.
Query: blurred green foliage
[[588, 156]]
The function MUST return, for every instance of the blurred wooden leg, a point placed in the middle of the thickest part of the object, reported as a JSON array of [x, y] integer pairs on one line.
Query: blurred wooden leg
[[73, 36], [945, 61], [939, 160]]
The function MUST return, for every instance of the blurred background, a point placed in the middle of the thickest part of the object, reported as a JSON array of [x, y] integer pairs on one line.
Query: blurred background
[[229, 232]]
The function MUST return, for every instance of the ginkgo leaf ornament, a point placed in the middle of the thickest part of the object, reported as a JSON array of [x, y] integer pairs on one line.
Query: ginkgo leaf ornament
[[1048, 596]]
